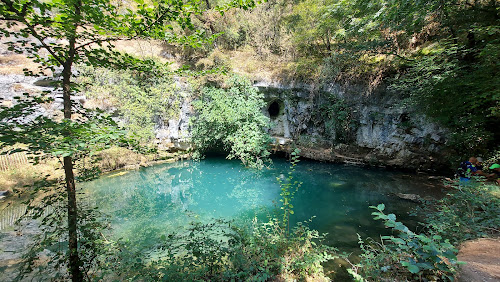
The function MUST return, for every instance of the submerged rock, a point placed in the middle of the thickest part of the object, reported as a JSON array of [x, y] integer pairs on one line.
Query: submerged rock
[[335, 184], [410, 197]]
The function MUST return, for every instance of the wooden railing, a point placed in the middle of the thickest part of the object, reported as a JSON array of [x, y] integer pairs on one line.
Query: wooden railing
[[14, 160], [11, 214]]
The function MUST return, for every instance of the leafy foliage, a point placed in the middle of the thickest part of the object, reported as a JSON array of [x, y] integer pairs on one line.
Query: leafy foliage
[[47, 206], [140, 99], [412, 255], [47, 256], [231, 119], [271, 247], [288, 190], [459, 94], [105, 22], [221, 251], [94, 131], [340, 122], [468, 212]]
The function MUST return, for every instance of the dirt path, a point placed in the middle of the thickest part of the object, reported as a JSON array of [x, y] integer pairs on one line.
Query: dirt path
[[483, 260]]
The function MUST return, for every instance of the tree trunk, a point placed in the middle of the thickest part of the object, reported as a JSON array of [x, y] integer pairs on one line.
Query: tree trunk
[[328, 43], [210, 25], [74, 262], [74, 259]]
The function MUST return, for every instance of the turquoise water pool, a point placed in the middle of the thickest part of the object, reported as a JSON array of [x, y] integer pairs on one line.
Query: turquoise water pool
[[166, 197]]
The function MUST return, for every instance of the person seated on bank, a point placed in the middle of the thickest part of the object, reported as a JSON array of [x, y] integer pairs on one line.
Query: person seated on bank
[[479, 163], [496, 173], [468, 168]]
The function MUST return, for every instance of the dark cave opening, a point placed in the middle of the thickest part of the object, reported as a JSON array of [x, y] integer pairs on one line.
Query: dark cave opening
[[274, 109]]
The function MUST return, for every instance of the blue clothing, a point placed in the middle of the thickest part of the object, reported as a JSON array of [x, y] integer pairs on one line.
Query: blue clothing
[[466, 170]]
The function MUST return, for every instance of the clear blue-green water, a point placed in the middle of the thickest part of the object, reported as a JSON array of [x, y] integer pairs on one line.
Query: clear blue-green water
[[166, 197]]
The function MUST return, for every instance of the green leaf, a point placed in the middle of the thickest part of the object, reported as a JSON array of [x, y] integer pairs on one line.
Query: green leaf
[[398, 241], [413, 268]]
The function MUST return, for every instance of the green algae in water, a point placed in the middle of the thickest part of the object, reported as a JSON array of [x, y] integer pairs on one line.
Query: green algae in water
[[164, 198]]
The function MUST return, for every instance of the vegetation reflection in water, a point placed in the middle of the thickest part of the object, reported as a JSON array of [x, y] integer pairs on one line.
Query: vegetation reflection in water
[[166, 197]]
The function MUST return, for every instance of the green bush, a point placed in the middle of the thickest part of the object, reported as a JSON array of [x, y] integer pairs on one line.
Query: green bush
[[468, 212], [232, 119], [223, 251], [408, 255], [137, 99], [270, 251]]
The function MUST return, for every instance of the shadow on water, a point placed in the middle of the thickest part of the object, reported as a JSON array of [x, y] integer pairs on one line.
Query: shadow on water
[[163, 198]]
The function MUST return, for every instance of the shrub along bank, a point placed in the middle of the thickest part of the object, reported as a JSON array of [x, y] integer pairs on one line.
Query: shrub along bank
[[467, 212]]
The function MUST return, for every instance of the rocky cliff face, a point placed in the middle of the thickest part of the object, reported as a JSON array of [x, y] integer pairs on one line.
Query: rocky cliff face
[[170, 134], [381, 130], [174, 133], [14, 85]]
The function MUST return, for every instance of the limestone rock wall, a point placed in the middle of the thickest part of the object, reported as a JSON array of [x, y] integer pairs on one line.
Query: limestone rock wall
[[174, 133], [386, 132], [170, 134]]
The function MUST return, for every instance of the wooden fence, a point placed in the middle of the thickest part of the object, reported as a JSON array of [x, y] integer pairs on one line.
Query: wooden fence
[[11, 214], [14, 160]]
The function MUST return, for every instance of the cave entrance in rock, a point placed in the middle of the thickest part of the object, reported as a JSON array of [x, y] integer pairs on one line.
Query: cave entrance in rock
[[274, 109]]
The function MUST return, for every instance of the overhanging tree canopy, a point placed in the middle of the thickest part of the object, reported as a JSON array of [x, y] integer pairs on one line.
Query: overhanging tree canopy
[[60, 33]]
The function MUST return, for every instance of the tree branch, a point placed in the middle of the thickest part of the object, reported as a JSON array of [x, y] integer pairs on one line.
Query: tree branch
[[9, 19], [399, 56], [98, 41], [21, 18], [167, 10], [156, 21]]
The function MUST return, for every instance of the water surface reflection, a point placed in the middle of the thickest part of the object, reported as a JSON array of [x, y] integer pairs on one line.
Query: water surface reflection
[[166, 197]]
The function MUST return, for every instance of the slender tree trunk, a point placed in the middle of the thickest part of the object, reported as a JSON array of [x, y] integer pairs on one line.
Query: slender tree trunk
[[328, 43], [210, 25], [74, 259], [74, 262]]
